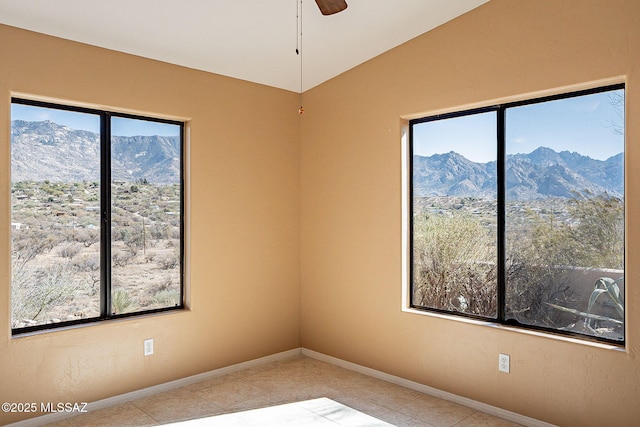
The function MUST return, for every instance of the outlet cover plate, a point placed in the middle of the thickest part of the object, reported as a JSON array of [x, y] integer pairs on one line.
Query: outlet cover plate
[[148, 347], [503, 363]]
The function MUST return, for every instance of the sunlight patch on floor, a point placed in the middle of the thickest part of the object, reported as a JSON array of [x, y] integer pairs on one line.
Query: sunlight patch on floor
[[308, 413]]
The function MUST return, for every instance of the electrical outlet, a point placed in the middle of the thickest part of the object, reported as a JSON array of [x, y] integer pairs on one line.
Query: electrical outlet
[[503, 363], [148, 347]]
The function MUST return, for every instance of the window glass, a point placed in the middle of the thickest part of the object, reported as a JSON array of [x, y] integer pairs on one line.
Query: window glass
[[145, 215], [55, 215], [454, 214], [565, 214]]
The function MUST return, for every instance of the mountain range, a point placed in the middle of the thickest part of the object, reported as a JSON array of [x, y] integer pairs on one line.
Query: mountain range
[[48, 151], [541, 173]]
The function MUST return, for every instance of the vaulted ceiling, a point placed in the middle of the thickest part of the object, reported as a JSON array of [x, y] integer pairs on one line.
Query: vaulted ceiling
[[253, 40]]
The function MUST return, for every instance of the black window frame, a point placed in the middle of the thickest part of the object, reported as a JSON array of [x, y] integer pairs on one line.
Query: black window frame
[[500, 110], [105, 215]]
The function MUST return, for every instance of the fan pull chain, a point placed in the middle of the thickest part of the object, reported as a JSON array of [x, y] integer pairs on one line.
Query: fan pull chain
[[299, 48]]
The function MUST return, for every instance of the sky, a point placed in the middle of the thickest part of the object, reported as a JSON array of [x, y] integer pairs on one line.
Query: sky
[[586, 125], [91, 122]]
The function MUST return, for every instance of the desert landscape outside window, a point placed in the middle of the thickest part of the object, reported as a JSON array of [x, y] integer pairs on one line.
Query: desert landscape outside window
[[517, 213], [96, 215]]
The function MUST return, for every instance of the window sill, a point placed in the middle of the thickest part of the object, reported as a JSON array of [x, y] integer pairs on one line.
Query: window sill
[[539, 334], [102, 322]]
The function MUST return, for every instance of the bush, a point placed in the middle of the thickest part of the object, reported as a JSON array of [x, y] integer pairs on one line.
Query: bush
[[121, 302], [35, 292], [87, 237], [454, 258], [541, 260], [167, 298], [70, 251], [87, 263], [168, 262], [454, 264], [121, 259], [592, 236]]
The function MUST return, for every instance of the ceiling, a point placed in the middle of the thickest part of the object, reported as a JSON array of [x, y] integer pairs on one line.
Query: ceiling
[[252, 40]]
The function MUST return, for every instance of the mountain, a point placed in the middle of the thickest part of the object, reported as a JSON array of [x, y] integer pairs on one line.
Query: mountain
[[49, 151], [156, 158], [452, 174], [541, 173]]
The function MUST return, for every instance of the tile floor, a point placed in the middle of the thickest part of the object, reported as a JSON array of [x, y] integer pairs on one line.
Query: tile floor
[[321, 412], [286, 381]]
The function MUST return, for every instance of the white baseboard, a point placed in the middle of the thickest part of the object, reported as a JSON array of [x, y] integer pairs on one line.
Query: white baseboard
[[479, 406], [182, 382]]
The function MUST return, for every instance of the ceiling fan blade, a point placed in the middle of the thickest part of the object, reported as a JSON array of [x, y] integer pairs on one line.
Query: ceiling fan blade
[[329, 7]]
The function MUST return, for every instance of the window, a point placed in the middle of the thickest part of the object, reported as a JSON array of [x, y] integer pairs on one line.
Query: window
[[517, 213], [96, 215]]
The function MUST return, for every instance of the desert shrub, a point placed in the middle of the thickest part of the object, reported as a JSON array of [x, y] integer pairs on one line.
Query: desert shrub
[[88, 263], [531, 284], [159, 231], [36, 291], [167, 298], [593, 237], [167, 284], [87, 237], [168, 262], [454, 264], [599, 231], [541, 259], [121, 259], [27, 244], [69, 251], [121, 302], [134, 239]]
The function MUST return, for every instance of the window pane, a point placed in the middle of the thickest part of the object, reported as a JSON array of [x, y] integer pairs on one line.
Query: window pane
[[565, 214], [55, 215], [146, 215], [454, 214]]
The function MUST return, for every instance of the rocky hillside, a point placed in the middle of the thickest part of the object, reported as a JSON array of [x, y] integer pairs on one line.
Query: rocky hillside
[[48, 151], [541, 173]]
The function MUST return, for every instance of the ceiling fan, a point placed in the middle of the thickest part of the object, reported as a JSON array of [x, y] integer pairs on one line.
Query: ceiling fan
[[329, 7]]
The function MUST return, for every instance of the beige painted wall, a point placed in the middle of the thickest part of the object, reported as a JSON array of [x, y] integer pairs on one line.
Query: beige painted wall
[[244, 225], [257, 185], [351, 207]]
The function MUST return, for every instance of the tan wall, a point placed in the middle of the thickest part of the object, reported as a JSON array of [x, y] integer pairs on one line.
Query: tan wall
[[244, 225], [244, 215], [351, 207]]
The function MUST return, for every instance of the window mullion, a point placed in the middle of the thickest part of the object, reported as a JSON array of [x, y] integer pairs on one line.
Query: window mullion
[[501, 196], [105, 209]]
